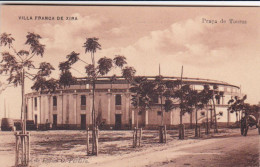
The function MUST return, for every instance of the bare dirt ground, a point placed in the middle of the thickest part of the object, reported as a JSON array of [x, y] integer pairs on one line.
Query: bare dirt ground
[[68, 148]]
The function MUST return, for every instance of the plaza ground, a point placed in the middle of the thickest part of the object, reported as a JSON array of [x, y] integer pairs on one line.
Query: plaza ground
[[68, 148]]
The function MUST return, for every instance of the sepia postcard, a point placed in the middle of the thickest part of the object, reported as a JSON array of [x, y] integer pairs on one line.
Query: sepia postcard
[[129, 86]]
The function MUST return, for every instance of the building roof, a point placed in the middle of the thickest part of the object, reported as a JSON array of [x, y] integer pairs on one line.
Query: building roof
[[186, 80]]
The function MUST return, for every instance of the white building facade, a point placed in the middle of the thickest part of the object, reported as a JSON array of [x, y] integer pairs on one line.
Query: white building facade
[[71, 108]]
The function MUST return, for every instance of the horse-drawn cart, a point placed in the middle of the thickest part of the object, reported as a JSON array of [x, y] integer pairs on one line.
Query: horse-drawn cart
[[249, 121]]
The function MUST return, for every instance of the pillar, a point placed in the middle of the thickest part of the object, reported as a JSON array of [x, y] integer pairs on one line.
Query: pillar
[[90, 108], [75, 107], [49, 108], [171, 121], [228, 117], [67, 109], [127, 106], [60, 109], [40, 110], [146, 117], [32, 109], [109, 107], [133, 117]]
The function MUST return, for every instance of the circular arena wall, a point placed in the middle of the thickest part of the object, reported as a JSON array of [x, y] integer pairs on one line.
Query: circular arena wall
[[71, 108]]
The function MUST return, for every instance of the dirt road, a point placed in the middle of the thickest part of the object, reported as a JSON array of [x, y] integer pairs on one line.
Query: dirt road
[[68, 149], [235, 150]]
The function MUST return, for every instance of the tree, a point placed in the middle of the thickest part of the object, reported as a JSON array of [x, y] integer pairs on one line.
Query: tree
[[142, 92], [237, 105], [146, 91], [185, 100], [183, 95], [165, 90], [160, 89], [215, 95], [250, 112], [195, 101], [205, 96], [19, 66], [104, 65]]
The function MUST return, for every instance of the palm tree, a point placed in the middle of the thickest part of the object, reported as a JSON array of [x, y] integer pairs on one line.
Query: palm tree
[[91, 45], [104, 65]]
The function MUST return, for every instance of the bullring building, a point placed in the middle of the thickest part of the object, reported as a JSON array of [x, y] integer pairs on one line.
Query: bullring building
[[71, 108]]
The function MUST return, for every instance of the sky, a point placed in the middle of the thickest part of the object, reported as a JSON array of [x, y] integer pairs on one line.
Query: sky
[[192, 37]]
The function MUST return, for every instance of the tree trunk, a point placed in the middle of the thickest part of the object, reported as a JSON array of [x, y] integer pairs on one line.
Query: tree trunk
[[196, 121], [207, 125], [137, 112], [181, 127], [162, 128], [215, 113], [93, 120], [23, 105], [94, 128], [211, 117], [162, 121], [191, 120], [181, 116]]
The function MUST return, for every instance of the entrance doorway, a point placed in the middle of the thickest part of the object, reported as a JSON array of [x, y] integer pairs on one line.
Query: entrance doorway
[[54, 125], [83, 122], [118, 121]]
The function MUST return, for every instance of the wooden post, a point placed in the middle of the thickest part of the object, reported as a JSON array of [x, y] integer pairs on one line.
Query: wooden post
[[135, 135], [22, 142], [165, 134], [162, 133], [22, 156], [199, 130], [25, 149], [140, 137], [134, 138], [206, 128], [88, 141], [97, 141], [93, 140], [28, 138], [196, 130], [16, 149], [181, 131]]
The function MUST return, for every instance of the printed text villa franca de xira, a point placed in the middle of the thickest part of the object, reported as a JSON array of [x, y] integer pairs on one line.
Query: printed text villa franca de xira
[[61, 18]]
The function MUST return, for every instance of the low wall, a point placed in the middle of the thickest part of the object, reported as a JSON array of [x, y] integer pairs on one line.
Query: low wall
[[129, 127]]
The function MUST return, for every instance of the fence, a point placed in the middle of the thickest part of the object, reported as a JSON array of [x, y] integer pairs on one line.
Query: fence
[[22, 149], [137, 137], [162, 134]]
